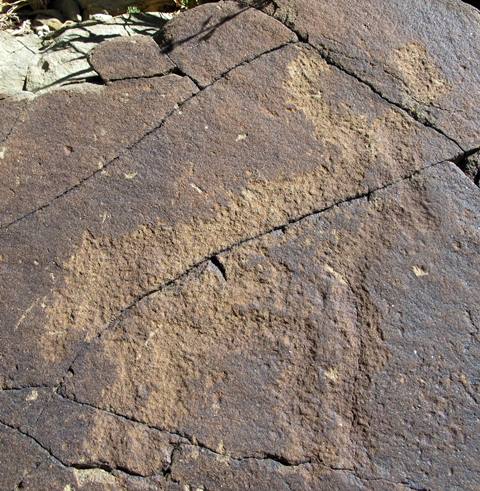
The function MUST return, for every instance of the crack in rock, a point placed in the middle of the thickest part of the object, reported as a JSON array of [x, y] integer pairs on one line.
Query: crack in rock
[[78, 466], [325, 57], [111, 162], [324, 52], [191, 440], [214, 257]]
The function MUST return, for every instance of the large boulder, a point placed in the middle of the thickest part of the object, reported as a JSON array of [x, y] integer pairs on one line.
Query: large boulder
[[243, 265]]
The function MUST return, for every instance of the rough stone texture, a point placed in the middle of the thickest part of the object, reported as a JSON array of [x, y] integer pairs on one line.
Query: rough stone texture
[[265, 283], [88, 127], [64, 59], [420, 54], [53, 68], [471, 167], [332, 342], [133, 57], [211, 39], [113, 442], [16, 54], [30, 64]]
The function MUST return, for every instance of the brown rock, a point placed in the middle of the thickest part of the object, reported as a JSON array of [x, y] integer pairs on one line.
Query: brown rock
[[65, 136], [267, 285], [422, 55], [11, 109], [26, 465], [19, 457], [202, 468], [132, 57], [211, 39], [173, 192], [101, 439], [320, 338]]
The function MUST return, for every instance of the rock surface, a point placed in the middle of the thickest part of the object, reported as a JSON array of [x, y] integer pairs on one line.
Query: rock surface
[[31, 64], [133, 57], [471, 167], [16, 55], [422, 56], [207, 42], [245, 264]]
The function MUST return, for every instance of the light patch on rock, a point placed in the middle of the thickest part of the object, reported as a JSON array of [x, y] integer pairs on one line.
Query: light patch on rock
[[194, 186], [335, 274], [15, 58], [355, 131], [422, 78], [419, 271], [97, 476], [39, 65], [33, 396], [332, 374]]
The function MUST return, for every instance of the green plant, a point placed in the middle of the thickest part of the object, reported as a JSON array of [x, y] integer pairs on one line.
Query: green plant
[[187, 4], [133, 9]]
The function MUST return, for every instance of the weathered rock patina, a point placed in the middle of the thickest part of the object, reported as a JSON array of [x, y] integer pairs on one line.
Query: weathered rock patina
[[246, 267], [133, 57], [422, 56]]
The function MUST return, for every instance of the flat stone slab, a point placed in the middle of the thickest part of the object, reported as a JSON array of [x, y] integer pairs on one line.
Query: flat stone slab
[[207, 41], [16, 55], [29, 64], [88, 127], [238, 266], [132, 57], [421, 55]]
